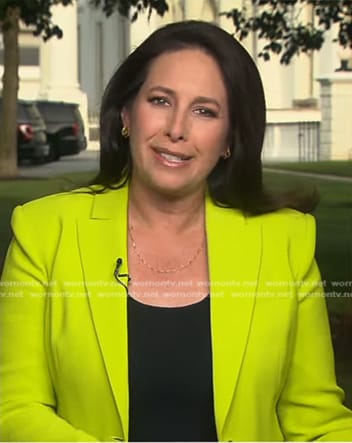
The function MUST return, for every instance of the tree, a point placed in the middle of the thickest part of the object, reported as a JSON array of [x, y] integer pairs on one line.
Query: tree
[[124, 7], [280, 24], [35, 13]]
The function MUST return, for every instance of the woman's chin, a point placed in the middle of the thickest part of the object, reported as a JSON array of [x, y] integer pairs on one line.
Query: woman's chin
[[176, 190]]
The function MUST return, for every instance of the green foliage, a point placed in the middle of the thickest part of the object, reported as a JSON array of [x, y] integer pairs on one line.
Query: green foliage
[[280, 23], [123, 7], [35, 13]]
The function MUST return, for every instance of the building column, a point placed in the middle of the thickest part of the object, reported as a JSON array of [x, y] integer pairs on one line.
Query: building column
[[59, 62], [200, 10], [142, 28], [226, 6], [336, 132]]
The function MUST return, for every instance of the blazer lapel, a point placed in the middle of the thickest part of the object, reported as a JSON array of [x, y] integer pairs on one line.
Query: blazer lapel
[[234, 251], [103, 239]]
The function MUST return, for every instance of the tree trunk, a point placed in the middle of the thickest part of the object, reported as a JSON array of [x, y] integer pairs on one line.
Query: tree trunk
[[8, 123]]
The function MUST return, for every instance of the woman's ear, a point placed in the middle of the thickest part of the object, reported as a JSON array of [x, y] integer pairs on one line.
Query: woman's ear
[[226, 154], [125, 117]]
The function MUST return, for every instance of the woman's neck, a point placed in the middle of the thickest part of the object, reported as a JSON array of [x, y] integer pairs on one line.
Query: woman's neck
[[150, 209]]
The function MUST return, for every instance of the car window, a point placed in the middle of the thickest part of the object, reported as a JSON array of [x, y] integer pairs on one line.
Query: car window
[[56, 112], [78, 115], [25, 112], [28, 112]]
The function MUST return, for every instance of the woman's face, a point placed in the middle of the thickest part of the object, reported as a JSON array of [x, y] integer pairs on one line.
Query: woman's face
[[178, 123]]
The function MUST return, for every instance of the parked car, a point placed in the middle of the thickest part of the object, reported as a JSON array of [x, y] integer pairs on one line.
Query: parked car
[[64, 128], [31, 132]]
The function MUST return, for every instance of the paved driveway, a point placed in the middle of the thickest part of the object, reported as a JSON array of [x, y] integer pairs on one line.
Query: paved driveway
[[309, 174], [85, 161], [88, 161]]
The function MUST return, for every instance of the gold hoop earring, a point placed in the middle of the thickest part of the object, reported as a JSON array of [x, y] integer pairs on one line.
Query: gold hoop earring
[[227, 154], [125, 132]]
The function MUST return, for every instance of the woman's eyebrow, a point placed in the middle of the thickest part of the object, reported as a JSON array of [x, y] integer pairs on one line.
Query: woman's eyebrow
[[207, 100], [200, 99], [162, 89]]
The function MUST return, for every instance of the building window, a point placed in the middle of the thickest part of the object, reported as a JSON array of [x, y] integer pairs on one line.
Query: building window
[[29, 56]]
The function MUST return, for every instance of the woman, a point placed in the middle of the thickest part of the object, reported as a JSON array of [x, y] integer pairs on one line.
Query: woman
[[173, 300]]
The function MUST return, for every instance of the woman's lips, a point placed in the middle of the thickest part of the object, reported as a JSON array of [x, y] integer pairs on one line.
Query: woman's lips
[[171, 158]]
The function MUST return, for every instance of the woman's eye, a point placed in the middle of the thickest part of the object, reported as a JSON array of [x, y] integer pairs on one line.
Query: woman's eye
[[161, 101], [206, 112]]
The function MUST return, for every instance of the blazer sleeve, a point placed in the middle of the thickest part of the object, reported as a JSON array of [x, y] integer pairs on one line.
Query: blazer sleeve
[[27, 396], [310, 405]]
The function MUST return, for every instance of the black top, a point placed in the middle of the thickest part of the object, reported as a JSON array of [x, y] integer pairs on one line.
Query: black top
[[170, 373]]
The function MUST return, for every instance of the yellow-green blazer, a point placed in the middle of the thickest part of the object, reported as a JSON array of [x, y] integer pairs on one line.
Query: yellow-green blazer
[[64, 366]]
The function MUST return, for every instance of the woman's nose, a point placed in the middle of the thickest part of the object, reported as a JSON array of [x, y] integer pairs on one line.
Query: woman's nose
[[177, 126]]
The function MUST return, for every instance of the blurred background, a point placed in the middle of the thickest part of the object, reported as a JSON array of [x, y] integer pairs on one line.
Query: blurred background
[[308, 142]]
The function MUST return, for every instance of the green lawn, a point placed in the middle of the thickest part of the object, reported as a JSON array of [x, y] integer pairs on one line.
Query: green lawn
[[341, 168], [334, 242]]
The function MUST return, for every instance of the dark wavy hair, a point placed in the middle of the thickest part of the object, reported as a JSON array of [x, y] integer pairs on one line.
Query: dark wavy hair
[[235, 182]]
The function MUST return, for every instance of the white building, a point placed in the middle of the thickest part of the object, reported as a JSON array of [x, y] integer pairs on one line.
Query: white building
[[78, 67], [102, 44], [29, 71]]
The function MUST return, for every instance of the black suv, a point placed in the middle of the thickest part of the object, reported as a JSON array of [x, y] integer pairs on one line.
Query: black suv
[[64, 127], [31, 136]]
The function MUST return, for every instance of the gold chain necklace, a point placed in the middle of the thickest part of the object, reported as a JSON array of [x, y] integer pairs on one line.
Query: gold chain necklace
[[163, 270]]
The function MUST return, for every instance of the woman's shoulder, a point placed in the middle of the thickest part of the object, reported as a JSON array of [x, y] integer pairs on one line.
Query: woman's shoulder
[[45, 219], [54, 203], [76, 202], [280, 215], [280, 224], [287, 224], [292, 231], [283, 217]]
